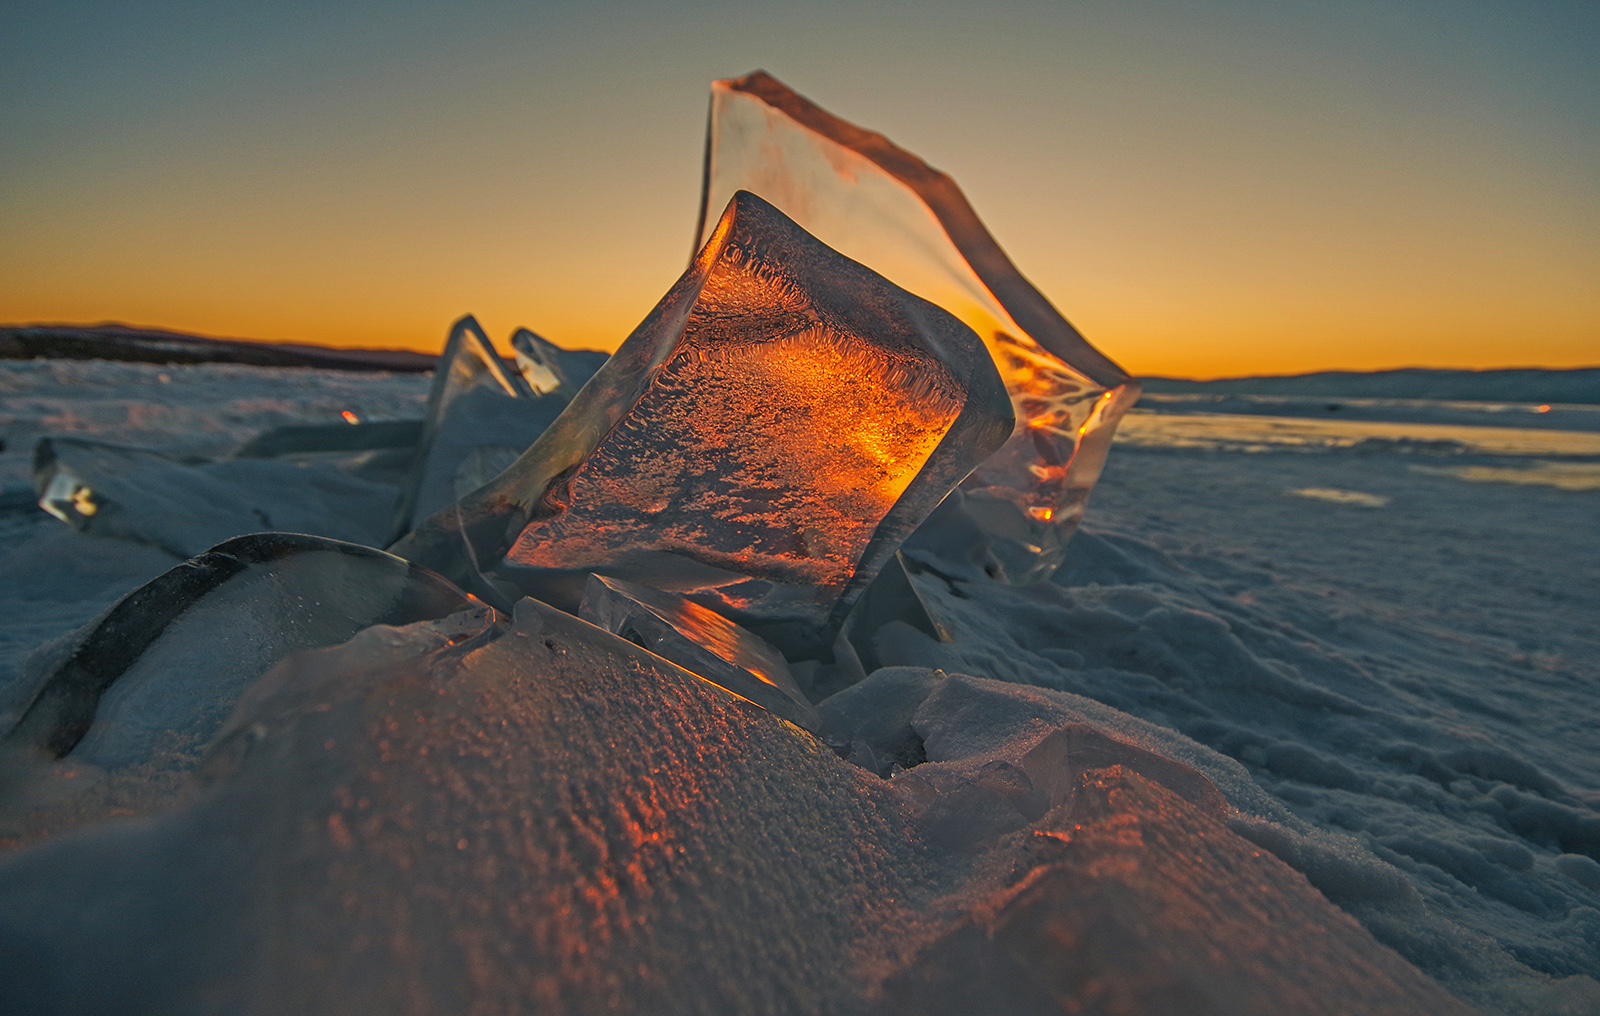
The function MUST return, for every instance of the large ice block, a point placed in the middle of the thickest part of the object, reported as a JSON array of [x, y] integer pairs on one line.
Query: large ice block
[[879, 204], [700, 641], [480, 417], [160, 670], [762, 442]]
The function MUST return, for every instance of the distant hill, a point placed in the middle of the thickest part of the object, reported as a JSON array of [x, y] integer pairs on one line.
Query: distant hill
[[149, 345], [1577, 385]]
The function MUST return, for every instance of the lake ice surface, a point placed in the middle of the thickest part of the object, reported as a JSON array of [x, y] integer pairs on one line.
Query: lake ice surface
[[1395, 689]]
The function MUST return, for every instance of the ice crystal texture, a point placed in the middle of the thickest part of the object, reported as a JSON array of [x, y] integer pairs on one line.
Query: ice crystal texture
[[762, 443], [881, 205], [700, 641]]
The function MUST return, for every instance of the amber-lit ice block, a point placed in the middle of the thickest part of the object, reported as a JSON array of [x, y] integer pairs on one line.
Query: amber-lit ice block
[[884, 207], [700, 641], [762, 443]]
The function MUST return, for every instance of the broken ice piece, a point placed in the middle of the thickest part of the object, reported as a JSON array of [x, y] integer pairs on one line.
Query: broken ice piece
[[700, 641], [480, 417], [538, 361], [163, 667], [762, 443], [879, 204], [185, 503], [70, 474], [549, 369], [330, 438], [893, 596]]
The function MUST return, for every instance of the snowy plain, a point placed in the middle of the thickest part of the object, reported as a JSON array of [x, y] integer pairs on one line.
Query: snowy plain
[[1376, 636]]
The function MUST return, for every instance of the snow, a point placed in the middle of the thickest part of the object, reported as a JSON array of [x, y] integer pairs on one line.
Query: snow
[[1366, 647]]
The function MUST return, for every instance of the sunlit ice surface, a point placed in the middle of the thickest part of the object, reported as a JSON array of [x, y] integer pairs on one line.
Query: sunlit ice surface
[[700, 641], [884, 207], [762, 443]]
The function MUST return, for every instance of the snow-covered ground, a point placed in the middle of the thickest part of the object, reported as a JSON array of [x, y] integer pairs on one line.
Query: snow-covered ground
[[1376, 636]]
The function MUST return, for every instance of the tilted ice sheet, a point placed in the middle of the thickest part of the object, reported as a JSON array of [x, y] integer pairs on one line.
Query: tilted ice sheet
[[700, 641], [884, 207], [157, 674], [183, 503], [762, 443]]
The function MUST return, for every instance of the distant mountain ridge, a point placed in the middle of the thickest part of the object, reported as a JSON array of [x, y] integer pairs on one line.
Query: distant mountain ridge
[[1579, 385], [153, 345]]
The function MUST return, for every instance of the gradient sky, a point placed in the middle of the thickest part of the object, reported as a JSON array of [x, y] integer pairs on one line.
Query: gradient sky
[[1204, 189]]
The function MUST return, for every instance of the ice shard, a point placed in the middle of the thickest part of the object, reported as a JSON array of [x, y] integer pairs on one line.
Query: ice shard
[[186, 503], [879, 204], [700, 641], [159, 672], [892, 597], [762, 443], [480, 417], [550, 370]]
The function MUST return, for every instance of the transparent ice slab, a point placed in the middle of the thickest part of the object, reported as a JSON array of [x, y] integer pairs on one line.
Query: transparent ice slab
[[762, 443], [700, 641], [185, 504], [161, 669], [879, 204]]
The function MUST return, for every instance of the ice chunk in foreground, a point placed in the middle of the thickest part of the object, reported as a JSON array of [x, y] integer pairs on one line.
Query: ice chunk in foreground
[[1133, 900], [762, 443], [554, 821], [185, 503], [700, 641], [480, 417], [161, 669], [879, 204]]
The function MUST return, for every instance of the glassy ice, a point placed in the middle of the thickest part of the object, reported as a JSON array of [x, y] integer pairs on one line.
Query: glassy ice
[[163, 667], [480, 417], [700, 641], [762, 443], [881, 205], [184, 503]]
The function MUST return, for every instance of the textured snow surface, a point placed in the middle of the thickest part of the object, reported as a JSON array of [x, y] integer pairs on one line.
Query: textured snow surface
[[1395, 696]]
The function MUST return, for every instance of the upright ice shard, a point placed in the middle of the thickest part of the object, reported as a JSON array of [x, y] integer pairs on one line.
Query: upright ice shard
[[762, 443], [700, 641], [480, 417], [886, 208], [551, 370]]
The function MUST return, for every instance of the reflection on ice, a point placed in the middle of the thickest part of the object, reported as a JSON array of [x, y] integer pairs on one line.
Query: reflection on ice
[[762, 443], [700, 641], [881, 205]]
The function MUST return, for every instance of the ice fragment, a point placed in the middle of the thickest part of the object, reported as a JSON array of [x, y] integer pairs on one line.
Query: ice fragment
[[881, 205], [700, 641], [162, 668], [186, 503], [480, 417], [761, 443]]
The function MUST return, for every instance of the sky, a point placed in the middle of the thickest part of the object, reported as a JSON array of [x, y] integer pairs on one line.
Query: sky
[[1204, 189]]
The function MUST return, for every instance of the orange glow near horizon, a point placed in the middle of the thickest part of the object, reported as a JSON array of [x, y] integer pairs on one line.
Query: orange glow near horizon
[[1242, 189]]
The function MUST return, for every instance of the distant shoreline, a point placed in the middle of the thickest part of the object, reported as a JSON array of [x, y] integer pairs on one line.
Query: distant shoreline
[[1572, 385], [152, 345]]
